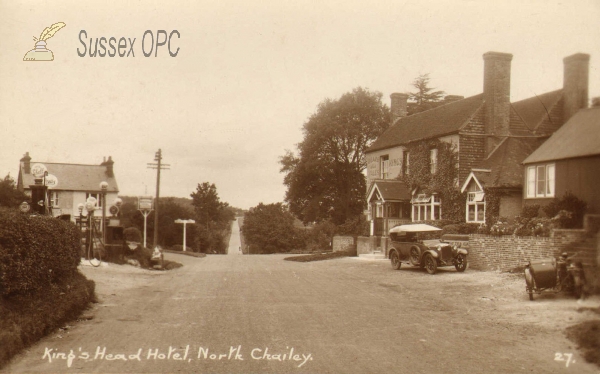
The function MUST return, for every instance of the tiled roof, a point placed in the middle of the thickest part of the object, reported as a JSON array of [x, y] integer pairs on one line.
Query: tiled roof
[[391, 189], [443, 120], [579, 137], [483, 177], [505, 162], [73, 177], [536, 108]]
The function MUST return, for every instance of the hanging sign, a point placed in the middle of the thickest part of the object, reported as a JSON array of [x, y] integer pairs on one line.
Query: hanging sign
[[24, 207], [38, 170], [51, 181]]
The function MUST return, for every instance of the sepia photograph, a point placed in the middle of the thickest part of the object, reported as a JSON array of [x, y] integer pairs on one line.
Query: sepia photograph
[[196, 186]]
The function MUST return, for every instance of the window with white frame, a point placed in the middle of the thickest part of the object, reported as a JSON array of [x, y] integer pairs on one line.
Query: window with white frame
[[433, 160], [540, 181], [476, 207], [405, 162], [96, 196], [384, 162], [425, 208], [54, 199]]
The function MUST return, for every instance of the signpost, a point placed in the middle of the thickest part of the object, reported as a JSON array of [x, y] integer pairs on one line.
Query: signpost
[[184, 221], [145, 207]]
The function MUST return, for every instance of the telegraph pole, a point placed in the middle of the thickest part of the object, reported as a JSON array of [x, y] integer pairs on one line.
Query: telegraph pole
[[158, 166]]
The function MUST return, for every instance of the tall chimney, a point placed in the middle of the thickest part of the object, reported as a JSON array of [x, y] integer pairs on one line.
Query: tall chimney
[[575, 83], [109, 167], [26, 163], [398, 106], [496, 93]]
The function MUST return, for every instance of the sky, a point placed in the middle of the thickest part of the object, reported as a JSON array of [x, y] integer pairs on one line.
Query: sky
[[247, 76]]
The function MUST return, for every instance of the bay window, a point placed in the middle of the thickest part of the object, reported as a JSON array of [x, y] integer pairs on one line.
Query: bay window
[[426, 208]]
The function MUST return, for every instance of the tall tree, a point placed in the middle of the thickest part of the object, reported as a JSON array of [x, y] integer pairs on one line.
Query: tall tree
[[213, 218], [10, 196], [424, 98], [326, 181]]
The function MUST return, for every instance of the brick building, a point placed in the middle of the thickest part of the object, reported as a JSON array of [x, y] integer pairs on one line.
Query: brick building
[[491, 136]]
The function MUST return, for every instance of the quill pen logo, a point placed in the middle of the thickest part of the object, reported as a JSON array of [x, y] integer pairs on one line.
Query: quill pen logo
[[40, 52]]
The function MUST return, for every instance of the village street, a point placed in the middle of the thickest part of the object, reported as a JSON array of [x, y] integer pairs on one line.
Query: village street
[[242, 314]]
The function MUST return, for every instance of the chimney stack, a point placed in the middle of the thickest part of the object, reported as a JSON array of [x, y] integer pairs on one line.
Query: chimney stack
[[575, 83], [26, 163], [398, 106], [496, 93], [109, 166]]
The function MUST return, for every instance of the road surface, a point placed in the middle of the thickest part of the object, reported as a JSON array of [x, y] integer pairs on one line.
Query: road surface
[[260, 314], [235, 243]]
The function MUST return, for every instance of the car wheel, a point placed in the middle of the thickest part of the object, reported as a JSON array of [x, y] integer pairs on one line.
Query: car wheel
[[395, 260], [461, 263], [414, 256], [430, 263]]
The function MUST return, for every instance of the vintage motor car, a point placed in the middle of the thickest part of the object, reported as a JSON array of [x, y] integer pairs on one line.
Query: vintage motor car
[[411, 244]]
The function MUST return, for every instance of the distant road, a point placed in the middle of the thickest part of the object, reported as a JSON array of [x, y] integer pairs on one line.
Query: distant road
[[235, 244]]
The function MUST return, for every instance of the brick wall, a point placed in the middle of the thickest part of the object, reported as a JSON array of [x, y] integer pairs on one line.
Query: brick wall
[[506, 252], [344, 243]]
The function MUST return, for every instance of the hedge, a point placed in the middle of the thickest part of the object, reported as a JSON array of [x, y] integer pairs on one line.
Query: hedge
[[35, 252]]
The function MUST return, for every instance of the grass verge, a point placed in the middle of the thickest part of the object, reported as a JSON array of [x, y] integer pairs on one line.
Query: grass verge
[[24, 319], [587, 337], [318, 257], [187, 253]]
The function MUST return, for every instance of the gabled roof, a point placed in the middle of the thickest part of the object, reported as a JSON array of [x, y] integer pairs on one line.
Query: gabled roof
[[579, 137], [390, 190], [74, 177], [535, 109], [479, 176], [505, 162], [443, 120]]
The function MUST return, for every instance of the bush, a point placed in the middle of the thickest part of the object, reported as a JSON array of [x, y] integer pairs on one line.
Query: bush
[[461, 228], [269, 228], [24, 319], [132, 234], [530, 211], [357, 226], [573, 208], [35, 251]]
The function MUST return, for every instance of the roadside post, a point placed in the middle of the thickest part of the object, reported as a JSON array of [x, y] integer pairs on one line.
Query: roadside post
[[185, 222], [145, 207]]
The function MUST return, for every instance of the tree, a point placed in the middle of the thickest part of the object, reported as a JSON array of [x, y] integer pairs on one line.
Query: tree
[[213, 219], [423, 99], [269, 228], [10, 196], [326, 181]]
